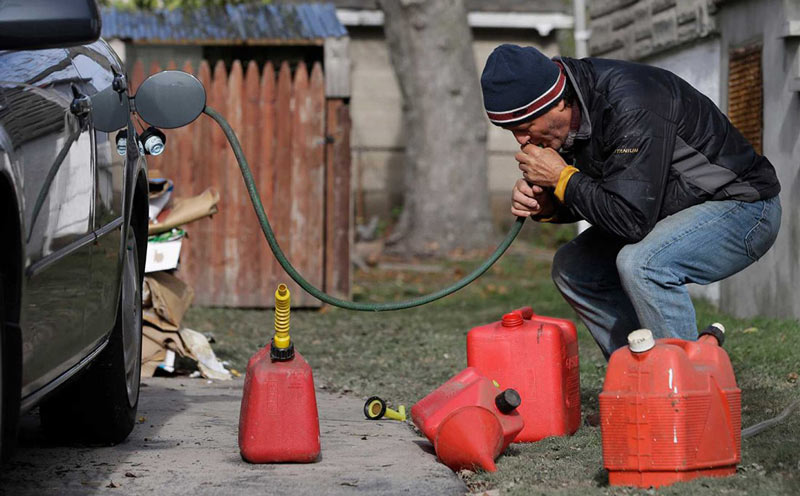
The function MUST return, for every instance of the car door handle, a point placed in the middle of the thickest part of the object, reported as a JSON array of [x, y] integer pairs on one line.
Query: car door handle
[[81, 104]]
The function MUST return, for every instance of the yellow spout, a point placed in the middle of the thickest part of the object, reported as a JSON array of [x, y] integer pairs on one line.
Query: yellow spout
[[376, 409], [400, 414], [282, 307]]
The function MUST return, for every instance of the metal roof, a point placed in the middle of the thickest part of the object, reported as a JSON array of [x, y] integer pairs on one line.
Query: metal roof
[[300, 23]]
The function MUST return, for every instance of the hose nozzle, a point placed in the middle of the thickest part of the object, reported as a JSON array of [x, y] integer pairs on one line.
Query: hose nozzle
[[282, 348]]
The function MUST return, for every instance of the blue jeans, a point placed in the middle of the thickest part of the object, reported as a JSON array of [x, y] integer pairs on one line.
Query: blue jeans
[[617, 288]]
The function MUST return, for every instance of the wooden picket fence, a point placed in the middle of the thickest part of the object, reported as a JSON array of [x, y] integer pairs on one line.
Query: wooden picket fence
[[297, 144]]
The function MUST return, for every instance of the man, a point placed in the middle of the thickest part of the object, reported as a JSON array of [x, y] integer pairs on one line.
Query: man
[[673, 191]]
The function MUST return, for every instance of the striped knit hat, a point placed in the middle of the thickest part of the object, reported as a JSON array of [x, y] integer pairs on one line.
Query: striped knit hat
[[520, 84]]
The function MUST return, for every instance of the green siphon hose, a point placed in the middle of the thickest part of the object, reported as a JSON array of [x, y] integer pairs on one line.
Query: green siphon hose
[[255, 198]]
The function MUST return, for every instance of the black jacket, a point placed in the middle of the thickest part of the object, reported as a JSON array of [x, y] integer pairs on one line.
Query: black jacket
[[650, 145]]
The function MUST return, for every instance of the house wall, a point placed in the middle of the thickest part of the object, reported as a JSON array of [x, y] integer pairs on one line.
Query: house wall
[[771, 286], [378, 139], [635, 29]]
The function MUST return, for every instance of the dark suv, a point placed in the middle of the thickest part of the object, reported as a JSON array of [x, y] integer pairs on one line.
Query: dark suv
[[73, 224]]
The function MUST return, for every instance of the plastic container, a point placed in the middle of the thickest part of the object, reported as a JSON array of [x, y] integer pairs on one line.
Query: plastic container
[[670, 411], [278, 421], [538, 357], [469, 420]]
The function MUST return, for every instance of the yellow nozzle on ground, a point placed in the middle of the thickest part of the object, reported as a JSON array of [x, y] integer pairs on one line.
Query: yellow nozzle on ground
[[282, 306], [375, 409], [400, 414]]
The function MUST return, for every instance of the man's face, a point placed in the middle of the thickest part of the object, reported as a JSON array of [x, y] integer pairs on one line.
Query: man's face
[[549, 130]]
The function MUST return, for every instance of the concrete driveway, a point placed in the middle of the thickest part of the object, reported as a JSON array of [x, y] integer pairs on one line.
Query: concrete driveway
[[186, 443]]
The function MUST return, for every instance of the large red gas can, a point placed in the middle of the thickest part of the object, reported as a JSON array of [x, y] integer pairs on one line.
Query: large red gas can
[[278, 421], [537, 356], [670, 411], [455, 418]]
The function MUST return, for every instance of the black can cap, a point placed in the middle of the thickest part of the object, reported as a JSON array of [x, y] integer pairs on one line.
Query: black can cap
[[374, 408], [717, 330], [281, 354], [507, 401]]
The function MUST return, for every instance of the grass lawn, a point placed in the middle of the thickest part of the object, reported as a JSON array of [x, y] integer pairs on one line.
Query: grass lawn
[[402, 356]]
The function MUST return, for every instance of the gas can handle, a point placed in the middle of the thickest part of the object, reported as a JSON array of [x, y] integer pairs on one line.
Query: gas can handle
[[525, 312]]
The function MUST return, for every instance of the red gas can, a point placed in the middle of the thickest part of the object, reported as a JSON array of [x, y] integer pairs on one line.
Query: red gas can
[[537, 356], [455, 418], [278, 421], [670, 411]]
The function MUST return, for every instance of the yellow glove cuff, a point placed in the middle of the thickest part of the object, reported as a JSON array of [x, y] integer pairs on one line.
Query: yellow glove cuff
[[563, 179]]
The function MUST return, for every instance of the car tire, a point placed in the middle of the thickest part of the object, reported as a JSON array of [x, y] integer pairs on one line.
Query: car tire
[[5, 440], [100, 405]]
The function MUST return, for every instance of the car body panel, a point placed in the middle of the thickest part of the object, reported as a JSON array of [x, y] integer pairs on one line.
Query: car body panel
[[53, 152], [75, 195], [97, 66]]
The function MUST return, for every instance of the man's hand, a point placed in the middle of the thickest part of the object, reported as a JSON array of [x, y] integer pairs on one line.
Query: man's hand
[[527, 200], [540, 166]]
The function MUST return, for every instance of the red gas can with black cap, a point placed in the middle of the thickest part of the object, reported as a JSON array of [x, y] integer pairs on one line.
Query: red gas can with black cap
[[278, 419], [538, 357], [670, 410]]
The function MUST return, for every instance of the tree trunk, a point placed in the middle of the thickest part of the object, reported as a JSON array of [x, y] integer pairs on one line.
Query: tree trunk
[[446, 201]]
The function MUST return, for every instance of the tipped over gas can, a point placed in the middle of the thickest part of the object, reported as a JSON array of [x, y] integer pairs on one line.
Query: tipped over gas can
[[670, 411], [278, 420], [538, 357], [469, 420]]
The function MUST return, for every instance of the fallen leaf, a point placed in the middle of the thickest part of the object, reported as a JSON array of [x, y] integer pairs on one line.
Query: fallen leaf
[[792, 377], [130, 474], [142, 420], [113, 485]]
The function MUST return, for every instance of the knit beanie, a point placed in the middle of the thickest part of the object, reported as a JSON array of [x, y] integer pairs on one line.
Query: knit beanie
[[520, 84]]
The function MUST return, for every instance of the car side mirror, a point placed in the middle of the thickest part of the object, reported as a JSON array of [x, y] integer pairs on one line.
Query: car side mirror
[[32, 24], [110, 109], [170, 99]]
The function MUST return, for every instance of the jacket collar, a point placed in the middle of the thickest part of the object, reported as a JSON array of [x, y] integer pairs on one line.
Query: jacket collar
[[585, 129]]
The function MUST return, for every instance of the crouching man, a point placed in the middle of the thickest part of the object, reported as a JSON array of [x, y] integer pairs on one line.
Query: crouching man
[[674, 193]]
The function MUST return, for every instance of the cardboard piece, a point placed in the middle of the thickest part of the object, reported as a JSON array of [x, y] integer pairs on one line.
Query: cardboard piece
[[155, 344], [187, 210], [162, 255], [170, 298]]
